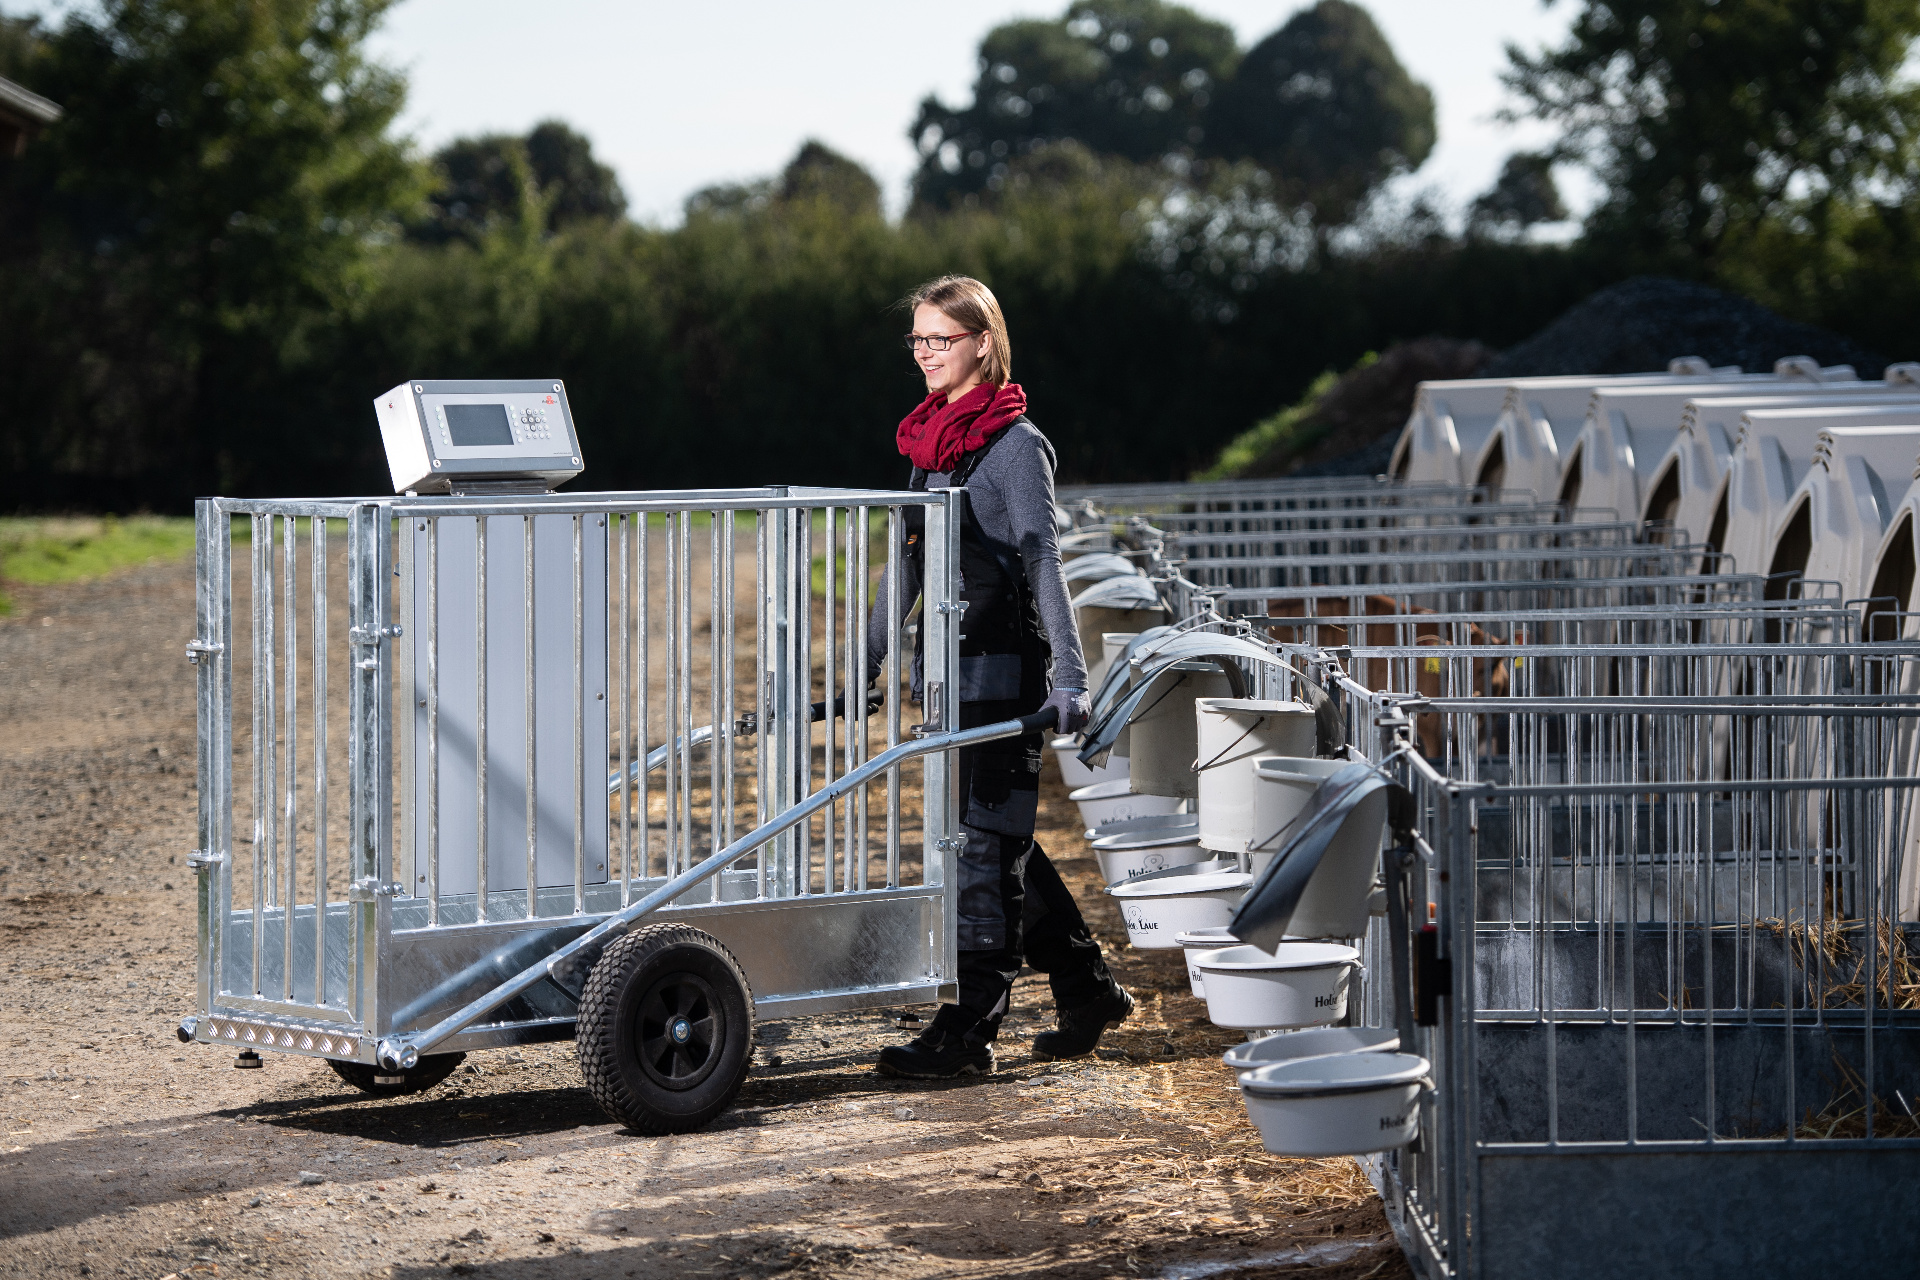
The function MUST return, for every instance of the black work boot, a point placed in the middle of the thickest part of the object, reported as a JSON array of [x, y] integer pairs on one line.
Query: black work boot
[[1081, 1027], [937, 1055]]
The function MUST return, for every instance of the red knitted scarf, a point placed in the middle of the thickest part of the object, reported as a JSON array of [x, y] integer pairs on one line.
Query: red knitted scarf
[[937, 435]]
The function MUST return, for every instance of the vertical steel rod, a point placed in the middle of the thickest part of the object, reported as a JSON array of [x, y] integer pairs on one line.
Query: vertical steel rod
[[891, 676], [432, 527], [683, 709], [829, 671], [533, 752], [319, 557], [290, 894], [617, 540], [580, 720], [671, 692], [643, 724], [801, 566], [729, 640], [763, 657], [716, 741], [480, 849]]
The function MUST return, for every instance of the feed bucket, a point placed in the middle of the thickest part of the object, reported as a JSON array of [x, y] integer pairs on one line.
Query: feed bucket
[[1230, 734], [1076, 774], [1303, 985], [1283, 786], [1161, 822], [1193, 943], [1105, 801], [1344, 1104], [1315, 1042], [1335, 902], [1159, 908], [1137, 853], [1112, 645], [1162, 734]]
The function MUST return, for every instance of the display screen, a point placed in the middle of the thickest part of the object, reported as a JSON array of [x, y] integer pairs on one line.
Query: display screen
[[478, 424]]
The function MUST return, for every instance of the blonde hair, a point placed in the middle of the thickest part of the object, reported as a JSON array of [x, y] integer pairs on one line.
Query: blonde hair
[[973, 306]]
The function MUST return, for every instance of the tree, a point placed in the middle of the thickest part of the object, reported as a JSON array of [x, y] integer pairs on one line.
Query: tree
[[818, 172], [190, 225], [482, 181], [1704, 119], [1325, 106], [1126, 78], [1524, 194]]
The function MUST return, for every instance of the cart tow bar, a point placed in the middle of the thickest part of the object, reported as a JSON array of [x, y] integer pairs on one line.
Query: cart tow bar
[[402, 1052]]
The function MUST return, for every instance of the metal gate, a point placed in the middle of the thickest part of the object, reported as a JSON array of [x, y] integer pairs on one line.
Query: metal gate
[[455, 734]]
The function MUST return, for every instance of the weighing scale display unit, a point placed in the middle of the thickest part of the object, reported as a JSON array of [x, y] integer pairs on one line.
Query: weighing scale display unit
[[445, 435]]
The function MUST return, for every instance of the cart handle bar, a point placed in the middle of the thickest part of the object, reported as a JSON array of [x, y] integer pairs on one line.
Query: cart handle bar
[[402, 1051]]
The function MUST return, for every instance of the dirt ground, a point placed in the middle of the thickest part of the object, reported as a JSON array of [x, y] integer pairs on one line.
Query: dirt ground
[[125, 1153]]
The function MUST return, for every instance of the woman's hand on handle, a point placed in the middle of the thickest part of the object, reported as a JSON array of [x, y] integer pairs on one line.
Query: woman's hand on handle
[[1070, 707]]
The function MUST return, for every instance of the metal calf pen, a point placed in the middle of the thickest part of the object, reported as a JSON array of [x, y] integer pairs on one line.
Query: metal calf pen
[[1668, 988], [564, 717]]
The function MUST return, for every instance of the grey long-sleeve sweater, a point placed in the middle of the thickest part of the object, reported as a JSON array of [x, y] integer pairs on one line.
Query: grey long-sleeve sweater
[[1011, 493]]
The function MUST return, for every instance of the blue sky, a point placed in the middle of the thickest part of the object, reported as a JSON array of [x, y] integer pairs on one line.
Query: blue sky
[[677, 96]]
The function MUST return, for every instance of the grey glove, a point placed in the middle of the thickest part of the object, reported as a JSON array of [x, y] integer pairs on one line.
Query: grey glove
[[1070, 707]]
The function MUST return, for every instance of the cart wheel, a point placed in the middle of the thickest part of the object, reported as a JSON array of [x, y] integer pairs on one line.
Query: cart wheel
[[428, 1072], [665, 1030]]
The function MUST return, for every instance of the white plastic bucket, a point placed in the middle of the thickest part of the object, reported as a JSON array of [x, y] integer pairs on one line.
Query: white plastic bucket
[[1230, 734], [1160, 822], [1136, 853], [1315, 1042], [1095, 620], [1105, 801], [1112, 645], [1336, 898], [1077, 775], [1344, 1104], [1304, 985], [1194, 943], [1158, 909], [1161, 737]]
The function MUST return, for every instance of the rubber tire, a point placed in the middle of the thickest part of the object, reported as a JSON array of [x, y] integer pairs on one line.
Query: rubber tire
[[428, 1072], [665, 967]]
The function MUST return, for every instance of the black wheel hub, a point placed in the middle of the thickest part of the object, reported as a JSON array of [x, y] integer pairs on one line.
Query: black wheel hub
[[679, 1031]]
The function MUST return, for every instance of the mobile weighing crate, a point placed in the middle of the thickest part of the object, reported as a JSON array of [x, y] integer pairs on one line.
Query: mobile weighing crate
[[495, 767]]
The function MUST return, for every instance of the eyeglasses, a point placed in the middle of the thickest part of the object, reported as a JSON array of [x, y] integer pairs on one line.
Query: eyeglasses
[[939, 341]]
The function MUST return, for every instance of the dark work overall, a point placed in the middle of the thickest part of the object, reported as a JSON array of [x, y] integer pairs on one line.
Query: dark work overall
[[1011, 901]]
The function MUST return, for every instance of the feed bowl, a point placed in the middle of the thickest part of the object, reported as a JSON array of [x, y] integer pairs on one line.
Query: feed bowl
[[1194, 943], [1122, 857], [1315, 1042], [1076, 774], [1105, 801], [1159, 907], [1344, 1104], [1160, 822], [1303, 985]]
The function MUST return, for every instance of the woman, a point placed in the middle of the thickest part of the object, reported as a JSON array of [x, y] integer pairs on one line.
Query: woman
[[1020, 650]]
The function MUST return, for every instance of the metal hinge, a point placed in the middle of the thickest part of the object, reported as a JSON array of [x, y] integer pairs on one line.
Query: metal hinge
[[202, 861], [369, 889], [951, 606], [197, 647], [374, 635], [950, 844]]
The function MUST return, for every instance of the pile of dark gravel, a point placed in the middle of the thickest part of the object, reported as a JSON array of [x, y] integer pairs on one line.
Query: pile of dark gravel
[[1638, 325], [1635, 326]]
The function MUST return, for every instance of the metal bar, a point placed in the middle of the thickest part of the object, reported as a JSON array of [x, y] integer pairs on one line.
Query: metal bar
[[802, 568], [392, 1048], [579, 723], [643, 805], [859, 529], [533, 752], [891, 674], [764, 647], [729, 675], [432, 527], [289, 565], [320, 557], [481, 850], [619, 536], [683, 706], [261, 576], [829, 847], [716, 742]]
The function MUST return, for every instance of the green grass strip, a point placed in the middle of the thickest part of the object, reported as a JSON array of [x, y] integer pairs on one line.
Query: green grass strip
[[40, 551]]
